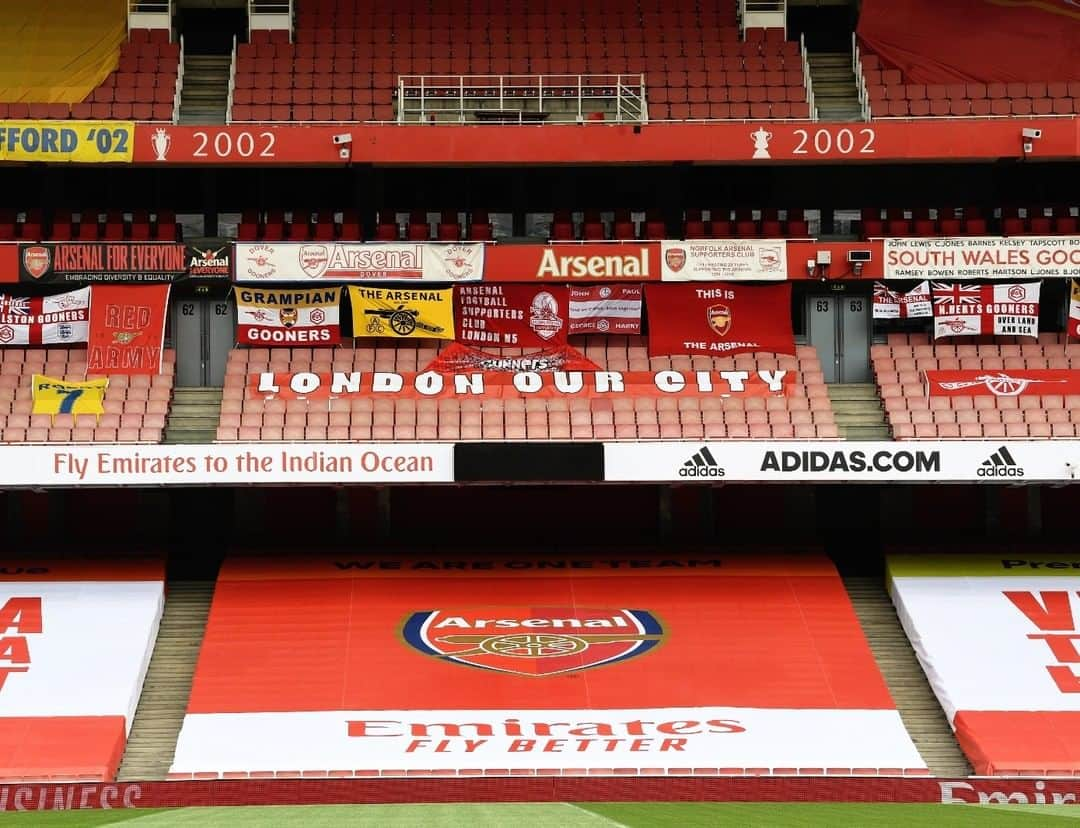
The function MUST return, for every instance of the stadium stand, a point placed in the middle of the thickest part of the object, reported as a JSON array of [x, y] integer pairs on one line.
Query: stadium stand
[[135, 407], [1035, 220], [693, 59], [73, 624], [898, 368], [89, 224], [303, 654], [246, 415], [1003, 674]]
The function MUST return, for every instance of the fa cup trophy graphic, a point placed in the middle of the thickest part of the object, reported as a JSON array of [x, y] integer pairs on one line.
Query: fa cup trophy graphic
[[161, 141], [761, 140]]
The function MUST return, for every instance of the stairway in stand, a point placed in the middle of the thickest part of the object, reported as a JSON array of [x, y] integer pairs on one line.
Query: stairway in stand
[[836, 93], [204, 95], [919, 708], [151, 743], [859, 412], [193, 415]]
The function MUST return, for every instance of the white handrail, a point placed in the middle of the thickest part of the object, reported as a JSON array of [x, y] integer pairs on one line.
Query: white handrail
[[808, 82], [860, 78], [179, 85], [232, 82]]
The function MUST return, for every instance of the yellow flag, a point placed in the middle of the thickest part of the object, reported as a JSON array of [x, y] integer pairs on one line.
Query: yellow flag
[[82, 141], [410, 313], [54, 396]]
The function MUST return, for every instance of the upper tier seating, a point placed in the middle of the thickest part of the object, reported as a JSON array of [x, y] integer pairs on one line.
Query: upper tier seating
[[892, 96], [1011, 220], [135, 407], [898, 367], [142, 87], [76, 657], [89, 224], [805, 414], [303, 654], [348, 56]]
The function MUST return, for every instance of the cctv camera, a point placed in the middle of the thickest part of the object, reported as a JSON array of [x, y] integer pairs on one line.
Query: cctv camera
[[1028, 146], [1027, 132], [345, 153], [343, 138]]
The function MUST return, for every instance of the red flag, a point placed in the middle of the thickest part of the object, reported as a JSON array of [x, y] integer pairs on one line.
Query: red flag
[[127, 329], [511, 316], [719, 319], [458, 358]]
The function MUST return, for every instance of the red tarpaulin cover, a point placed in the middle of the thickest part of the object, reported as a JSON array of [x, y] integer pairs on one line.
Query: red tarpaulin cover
[[955, 41]]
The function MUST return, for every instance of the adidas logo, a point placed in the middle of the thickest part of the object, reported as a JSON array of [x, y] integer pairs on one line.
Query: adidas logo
[[1000, 464], [702, 464]]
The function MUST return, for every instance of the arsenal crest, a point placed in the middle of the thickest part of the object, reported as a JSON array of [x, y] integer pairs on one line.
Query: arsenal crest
[[313, 259], [719, 319], [675, 258], [36, 260], [533, 641]]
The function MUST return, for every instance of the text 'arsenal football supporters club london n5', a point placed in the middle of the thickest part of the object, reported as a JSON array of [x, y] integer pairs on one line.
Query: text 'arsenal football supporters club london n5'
[[719, 320], [511, 316], [268, 317]]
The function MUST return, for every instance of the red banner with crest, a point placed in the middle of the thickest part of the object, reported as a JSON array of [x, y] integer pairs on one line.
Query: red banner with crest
[[719, 320], [127, 329], [511, 316]]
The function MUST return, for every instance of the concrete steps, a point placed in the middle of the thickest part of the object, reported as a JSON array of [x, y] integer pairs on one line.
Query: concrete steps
[[193, 416], [204, 96], [859, 412], [919, 708], [151, 743], [836, 93]]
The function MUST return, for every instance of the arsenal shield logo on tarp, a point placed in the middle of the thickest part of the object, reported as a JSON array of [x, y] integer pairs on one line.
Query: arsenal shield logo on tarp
[[36, 260], [719, 318], [675, 258], [313, 259], [533, 641]]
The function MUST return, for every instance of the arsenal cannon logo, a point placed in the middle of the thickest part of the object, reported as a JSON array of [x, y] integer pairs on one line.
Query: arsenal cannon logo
[[533, 641]]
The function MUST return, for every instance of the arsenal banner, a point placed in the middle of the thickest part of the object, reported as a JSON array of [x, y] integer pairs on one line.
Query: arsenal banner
[[607, 309], [1026, 382], [1074, 310], [57, 396], [127, 329], [358, 262], [974, 310], [719, 320], [511, 316], [103, 262], [983, 257], [892, 304], [460, 359], [44, 320], [523, 384], [288, 317], [715, 260], [426, 313]]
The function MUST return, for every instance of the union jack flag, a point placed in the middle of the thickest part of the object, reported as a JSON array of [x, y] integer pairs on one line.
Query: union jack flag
[[15, 305], [954, 294]]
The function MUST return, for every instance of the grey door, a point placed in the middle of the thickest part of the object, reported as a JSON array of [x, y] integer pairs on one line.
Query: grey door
[[203, 331], [838, 325]]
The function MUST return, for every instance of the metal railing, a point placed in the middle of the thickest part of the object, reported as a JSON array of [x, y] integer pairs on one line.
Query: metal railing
[[178, 91], [762, 14], [150, 14], [270, 15], [808, 81], [860, 78], [521, 99], [232, 82]]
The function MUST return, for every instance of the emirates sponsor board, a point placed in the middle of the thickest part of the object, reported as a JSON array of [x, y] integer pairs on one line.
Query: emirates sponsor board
[[719, 260], [573, 262], [991, 310], [45, 320], [358, 262], [991, 461], [102, 262], [515, 316], [1012, 383], [284, 317], [521, 384], [983, 257], [161, 465], [605, 309], [894, 304]]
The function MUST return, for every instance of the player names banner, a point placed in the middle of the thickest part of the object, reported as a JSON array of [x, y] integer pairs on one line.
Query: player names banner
[[358, 262], [284, 316], [1001, 309], [983, 257], [45, 320], [713, 260], [606, 309]]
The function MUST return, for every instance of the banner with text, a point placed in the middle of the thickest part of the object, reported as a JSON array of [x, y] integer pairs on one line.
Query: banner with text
[[511, 316], [719, 320], [605, 309], [44, 320], [102, 262], [286, 317], [358, 262], [894, 304], [426, 313], [975, 310], [83, 142], [983, 257], [720, 260], [595, 262], [57, 396], [522, 384], [127, 329], [1013, 383], [1074, 310], [456, 358]]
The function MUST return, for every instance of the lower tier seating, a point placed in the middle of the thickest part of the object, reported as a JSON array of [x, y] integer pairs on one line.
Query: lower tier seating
[[355, 666]]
